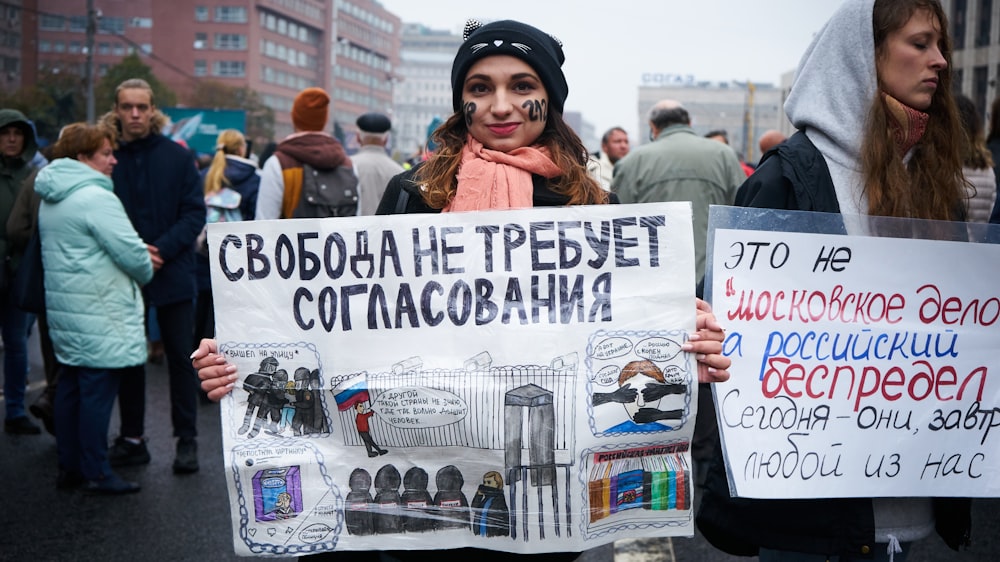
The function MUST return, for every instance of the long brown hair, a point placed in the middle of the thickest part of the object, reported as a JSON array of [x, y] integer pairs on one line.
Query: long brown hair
[[931, 184], [439, 173]]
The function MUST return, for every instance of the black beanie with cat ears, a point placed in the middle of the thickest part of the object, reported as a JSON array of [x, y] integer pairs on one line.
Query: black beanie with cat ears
[[541, 51]]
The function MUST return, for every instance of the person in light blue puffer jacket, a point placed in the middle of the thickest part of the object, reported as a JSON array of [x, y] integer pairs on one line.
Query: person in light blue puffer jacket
[[95, 264]]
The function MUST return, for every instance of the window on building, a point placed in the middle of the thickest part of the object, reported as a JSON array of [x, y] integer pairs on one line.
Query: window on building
[[980, 85], [200, 41], [272, 22], [282, 26], [113, 25], [59, 46], [231, 14], [230, 41], [983, 24], [144, 23], [118, 49], [104, 48], [147, 48], [45, 46], [229, 68], [200, 13], [78, 23], [200, 67], [293, 30], [959, 9], [75, 47], [102, 69], [52, 23]]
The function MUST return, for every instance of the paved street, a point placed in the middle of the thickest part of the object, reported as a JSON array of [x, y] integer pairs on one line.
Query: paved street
[[177, 518]]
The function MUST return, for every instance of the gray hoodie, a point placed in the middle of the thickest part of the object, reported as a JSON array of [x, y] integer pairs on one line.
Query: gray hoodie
[[832, 93], [830, 99]]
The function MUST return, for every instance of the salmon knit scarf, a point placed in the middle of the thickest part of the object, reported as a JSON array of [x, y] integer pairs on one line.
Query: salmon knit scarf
[[490, 179]]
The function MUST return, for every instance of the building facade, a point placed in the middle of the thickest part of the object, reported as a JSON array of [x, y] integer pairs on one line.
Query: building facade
[[975, 34], [274, 47], [423, 95]]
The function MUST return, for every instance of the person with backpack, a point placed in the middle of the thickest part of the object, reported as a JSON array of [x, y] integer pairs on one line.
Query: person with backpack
[[310, 175], [231, 183]]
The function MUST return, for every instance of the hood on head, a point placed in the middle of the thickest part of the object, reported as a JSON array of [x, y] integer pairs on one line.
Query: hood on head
[[836, 81], [15, 117]]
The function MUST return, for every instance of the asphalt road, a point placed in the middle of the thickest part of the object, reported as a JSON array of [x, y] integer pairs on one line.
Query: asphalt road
[[178, 518]]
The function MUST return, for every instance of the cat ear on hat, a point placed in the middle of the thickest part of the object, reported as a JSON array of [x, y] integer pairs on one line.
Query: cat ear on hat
[[473, 24]]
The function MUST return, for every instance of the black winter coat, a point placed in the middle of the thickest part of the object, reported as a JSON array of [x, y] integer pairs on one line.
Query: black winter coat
[[157, 183], [794, 176]]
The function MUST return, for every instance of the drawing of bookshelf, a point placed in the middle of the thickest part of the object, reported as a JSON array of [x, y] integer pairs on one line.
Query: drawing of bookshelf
[[639, 486]]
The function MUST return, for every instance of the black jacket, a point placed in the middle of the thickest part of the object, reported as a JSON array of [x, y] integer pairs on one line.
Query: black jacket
[[794, 176], [157, 182]]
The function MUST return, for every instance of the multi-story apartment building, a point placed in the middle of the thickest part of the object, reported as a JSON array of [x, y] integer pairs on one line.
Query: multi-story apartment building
[[274, 47], [423, 94], [975, 33]]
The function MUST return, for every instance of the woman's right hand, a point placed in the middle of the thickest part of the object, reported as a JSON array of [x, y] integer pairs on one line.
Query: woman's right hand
[[217, 375]]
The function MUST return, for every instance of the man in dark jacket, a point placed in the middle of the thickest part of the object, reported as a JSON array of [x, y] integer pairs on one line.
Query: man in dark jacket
[[17, 148], [157, 182]]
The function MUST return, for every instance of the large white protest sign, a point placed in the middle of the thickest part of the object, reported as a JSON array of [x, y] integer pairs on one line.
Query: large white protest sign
[[863, 366], [505, 380]]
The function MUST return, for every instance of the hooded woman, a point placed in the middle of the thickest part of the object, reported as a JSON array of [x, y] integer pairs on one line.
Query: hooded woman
[[877, 136]]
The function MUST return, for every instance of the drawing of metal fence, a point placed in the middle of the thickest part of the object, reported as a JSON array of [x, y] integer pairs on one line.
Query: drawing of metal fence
[[478, 388]]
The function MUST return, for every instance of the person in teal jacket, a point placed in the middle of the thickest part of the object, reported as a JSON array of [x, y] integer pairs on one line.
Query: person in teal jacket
[[95, 264]]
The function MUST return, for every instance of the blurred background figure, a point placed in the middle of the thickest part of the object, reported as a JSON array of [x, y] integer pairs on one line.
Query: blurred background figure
[[770, 139], [614, 147], [977, 162], [231, 182], [372, 165], [94, 263], [17, 149]]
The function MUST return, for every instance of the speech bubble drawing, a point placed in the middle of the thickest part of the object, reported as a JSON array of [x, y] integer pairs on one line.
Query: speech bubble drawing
[[607, 376], [411, 407], [611, 348], [315, 532], [658, 349], [673, 374]]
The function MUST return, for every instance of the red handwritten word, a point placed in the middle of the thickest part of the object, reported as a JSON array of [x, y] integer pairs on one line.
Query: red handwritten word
[[783, 377], [814, 306], [952, 310]]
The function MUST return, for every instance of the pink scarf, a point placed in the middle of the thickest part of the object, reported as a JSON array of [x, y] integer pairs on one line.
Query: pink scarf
[[490, 179]]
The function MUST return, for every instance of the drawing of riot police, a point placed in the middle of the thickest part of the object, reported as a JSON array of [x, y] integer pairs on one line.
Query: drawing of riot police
[[309, 416], [257, 386]]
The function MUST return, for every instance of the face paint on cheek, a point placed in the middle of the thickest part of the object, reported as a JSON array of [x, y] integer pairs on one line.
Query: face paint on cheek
[[537, 109], [469, 111]]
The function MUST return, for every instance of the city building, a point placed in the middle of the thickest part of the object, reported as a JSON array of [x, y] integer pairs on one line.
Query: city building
[[274, 47], [423, 93], [975, 35]]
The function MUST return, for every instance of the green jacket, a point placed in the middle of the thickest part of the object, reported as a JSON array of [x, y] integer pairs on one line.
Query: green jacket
[[681, 165], [13, 171]]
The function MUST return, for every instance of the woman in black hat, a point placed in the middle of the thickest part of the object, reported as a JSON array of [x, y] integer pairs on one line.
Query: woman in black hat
[[505, 147]]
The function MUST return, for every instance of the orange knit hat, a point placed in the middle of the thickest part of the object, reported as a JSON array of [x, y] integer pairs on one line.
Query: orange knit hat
[[309, 111]]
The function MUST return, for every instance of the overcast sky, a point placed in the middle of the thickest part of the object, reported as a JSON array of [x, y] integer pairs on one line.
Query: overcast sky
[[610, 44]]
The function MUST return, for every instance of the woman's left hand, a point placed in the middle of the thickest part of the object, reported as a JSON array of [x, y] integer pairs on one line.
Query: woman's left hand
[[706, 344]]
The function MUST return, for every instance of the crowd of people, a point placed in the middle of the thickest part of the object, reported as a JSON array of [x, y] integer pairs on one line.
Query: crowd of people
[[879, 133]]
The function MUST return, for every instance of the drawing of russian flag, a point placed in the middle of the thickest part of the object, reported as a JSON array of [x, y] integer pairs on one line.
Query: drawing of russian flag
[[352, 392]]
